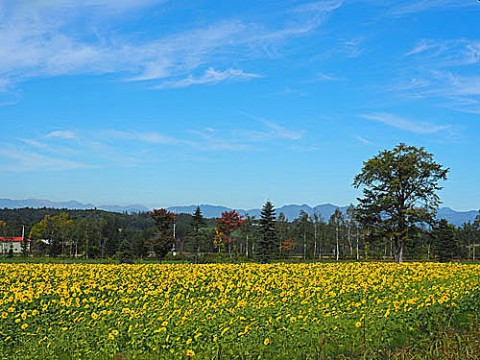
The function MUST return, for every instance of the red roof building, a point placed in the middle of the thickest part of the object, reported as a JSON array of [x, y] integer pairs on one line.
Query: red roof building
[[13, 239], [11, 242]]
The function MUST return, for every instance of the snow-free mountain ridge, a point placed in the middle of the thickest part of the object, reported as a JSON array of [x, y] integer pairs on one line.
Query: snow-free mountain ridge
[[212, 211]]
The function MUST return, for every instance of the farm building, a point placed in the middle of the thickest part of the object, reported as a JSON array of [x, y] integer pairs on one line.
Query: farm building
[[11, 242]]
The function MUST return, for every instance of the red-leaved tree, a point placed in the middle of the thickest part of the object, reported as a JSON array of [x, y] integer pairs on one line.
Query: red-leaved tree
[[225, 226]]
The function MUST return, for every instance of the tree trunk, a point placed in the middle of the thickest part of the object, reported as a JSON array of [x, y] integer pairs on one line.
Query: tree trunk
[[304, 246], [350, 244], [398, 250], [358, 257], [337, 250]]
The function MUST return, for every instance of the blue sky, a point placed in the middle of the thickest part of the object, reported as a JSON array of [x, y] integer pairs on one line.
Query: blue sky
[[232, 103]]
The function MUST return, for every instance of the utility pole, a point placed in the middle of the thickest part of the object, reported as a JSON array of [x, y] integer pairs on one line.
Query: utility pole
[[174, 252]]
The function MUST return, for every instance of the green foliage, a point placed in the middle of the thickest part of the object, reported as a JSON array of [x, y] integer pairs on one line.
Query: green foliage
[[336, 221], [3, 225], [198, 221], [96, 234], [53, 230], [268, 239], [444, 242], [248, 311], [399, 192], [225, 226], [164, 240]]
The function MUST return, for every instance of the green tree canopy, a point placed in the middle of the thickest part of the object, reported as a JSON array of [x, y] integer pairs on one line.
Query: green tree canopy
[[267, 242], [198, 220], [163, 242], [399, 192], [444, 241]]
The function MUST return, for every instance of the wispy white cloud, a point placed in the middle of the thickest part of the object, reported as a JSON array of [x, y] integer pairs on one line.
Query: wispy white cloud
[[210, 76], [407, 7], [444, 72], [457, 85], [426, 46], [21, 160], [62, 134], [65, 149], [34, 143], [97, 149], [45, 39], [281, 132], [324, 6], [321, 76], [273, 131], [54, 5], [4, 84], [210, 141], [446, 53], [405, 124], [151, 137], [304, 149], [363, 140], [352, 47], [242, 139], [289, 91], [459, 92]]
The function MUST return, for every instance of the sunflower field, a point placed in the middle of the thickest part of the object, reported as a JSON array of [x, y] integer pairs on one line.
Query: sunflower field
[[228, 311]]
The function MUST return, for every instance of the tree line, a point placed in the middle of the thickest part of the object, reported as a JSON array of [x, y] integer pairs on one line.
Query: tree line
[[395, 219], [94, 234]]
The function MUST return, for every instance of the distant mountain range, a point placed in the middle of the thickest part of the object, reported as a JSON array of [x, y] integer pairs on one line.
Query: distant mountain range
[[71, 205], [324, 211], [212, 211], [291, 211]]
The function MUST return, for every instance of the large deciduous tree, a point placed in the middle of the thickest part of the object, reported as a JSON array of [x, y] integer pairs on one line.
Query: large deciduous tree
[[399, 192], [267, 242], [225, 226], [55, 230]]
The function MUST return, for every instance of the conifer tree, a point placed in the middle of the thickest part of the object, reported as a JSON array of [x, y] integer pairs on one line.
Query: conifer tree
[[197, 236], [267, 242], [163, 242], [198, 220], [444, 242]]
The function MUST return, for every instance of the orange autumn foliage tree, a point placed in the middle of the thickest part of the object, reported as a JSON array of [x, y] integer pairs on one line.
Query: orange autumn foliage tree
[[224, 227]]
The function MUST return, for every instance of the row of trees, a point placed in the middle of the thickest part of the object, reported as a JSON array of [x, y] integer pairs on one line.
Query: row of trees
[[311, 237], [395, 217]]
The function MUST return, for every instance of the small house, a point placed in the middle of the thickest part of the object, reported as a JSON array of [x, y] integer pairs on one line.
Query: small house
[[11, 242]]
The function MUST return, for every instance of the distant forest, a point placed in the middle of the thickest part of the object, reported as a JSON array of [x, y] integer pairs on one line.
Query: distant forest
[[98, 234]]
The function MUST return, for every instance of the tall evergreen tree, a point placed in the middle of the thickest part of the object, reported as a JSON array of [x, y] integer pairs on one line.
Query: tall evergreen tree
[[163, 242], [198, 220], [125, 249], [197, 237], [267, 242], [444, 242]]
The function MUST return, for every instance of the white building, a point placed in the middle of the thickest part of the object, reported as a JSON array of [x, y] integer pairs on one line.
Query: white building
[[13, 242]]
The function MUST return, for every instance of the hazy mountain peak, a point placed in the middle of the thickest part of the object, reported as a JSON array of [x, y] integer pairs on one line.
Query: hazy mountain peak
[[291, 211]]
